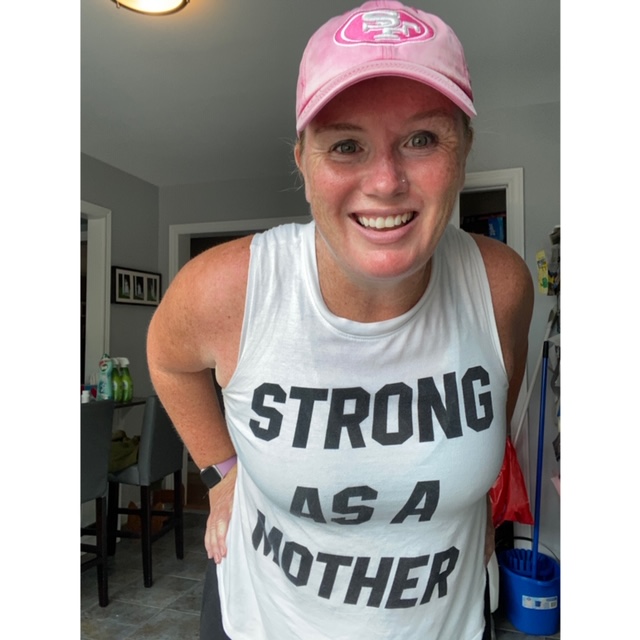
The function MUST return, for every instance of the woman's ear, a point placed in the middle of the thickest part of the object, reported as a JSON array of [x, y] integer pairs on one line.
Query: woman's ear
[[469, 139], [466, 149], [297, 154]]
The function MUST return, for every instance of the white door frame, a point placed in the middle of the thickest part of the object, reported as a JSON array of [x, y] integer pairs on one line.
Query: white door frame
[[512, 180], [98, 314], [98, 311]]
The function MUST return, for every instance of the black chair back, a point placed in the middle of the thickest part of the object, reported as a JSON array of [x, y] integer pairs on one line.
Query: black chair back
[[161, 449], [96, 424]]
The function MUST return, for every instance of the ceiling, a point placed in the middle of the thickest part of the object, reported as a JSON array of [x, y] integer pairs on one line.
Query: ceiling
[[208, 93]]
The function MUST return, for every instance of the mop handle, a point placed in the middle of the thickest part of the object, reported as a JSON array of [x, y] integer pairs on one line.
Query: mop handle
[[525, 406], [543, 398]]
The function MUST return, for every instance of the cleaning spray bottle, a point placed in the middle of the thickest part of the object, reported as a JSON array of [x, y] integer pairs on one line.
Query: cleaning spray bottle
[[116, 380], [127, 382], [105, 384]]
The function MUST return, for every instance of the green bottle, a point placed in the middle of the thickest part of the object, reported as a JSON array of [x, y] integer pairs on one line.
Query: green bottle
[[116, 380], [127, 382]]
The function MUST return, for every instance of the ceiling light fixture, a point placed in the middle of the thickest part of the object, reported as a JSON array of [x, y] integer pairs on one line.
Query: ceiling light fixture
[[152, 7]]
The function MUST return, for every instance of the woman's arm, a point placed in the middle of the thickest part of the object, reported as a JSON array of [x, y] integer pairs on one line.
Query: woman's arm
[[195, 329], [512, 295]]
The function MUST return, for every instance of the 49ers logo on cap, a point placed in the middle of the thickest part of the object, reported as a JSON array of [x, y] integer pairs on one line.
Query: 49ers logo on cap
[[383, 26]]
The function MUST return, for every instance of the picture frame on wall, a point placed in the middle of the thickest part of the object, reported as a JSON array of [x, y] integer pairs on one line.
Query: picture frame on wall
[[131, 286]]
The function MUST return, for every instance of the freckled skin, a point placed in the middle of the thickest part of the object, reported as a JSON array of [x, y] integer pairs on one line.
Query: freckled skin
[[385, 146]]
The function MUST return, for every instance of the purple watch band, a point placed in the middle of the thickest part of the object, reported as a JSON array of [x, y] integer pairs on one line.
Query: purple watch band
[[226, 466]]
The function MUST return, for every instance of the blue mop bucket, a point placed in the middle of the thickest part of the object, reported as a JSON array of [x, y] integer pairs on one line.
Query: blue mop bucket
[[529, 580], [532, 604]]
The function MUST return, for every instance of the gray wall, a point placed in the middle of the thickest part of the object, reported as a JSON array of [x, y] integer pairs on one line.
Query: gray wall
[[241, 199], [134, 243]]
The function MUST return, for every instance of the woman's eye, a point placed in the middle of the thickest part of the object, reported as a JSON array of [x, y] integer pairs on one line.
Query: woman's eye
[[345, 146], [423, 139]]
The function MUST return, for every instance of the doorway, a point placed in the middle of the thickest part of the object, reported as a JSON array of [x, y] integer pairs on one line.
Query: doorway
[[494, 194], [98, 281], [95, 246], [83, 295], [485, 212]]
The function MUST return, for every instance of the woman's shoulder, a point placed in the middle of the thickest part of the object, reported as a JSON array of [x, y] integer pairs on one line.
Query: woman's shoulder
[[218, 272], [507, 272], [203, 307], [216, 282], [511, 286]]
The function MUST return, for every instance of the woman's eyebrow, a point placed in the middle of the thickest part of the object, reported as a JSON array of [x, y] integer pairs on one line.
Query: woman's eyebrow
[[431, 113], [350, 127], [338, 126]]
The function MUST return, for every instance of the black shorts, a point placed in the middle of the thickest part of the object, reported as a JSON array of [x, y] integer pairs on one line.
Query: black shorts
[[487, 610], [211, 617], [210, 614]]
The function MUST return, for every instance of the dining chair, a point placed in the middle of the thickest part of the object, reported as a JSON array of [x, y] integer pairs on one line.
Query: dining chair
[[96, 423], [160, 455]]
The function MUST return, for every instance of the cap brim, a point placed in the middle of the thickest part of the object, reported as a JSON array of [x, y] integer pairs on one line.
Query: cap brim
[[379, 68]]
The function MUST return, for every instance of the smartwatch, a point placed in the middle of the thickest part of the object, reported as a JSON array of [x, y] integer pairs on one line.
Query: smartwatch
[[213, 474]]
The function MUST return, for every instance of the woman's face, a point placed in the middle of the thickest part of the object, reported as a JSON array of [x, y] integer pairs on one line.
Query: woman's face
[[383, 163]]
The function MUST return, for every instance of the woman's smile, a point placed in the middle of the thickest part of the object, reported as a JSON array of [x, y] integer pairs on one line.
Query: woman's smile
[[383, 222], [383, 163]]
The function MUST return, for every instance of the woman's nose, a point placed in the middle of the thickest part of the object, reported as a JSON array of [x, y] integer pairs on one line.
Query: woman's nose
[[385, 176]]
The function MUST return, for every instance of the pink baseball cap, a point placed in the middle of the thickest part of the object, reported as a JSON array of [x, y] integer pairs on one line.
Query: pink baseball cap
[[381, 38]]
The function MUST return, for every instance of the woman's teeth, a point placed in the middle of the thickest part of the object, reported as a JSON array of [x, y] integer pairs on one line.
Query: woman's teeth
[[385, 222]]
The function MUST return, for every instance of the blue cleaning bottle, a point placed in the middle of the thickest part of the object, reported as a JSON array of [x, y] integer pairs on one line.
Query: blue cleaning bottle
[[105, 382]]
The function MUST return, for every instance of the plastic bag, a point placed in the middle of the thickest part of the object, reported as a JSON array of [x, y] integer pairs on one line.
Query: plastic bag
[[124, 451], [509, 499]]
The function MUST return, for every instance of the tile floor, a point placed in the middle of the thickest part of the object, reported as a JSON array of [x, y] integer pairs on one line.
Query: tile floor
[[170, 609]]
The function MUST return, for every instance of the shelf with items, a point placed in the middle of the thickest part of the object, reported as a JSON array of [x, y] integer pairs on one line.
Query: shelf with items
[[484, 212], [548, 266]]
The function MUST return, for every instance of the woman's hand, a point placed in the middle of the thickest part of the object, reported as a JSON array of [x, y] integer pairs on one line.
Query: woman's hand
[[220, 507]]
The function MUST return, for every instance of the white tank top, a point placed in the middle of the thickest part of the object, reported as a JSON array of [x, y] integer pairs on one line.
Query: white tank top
[[365, 450]]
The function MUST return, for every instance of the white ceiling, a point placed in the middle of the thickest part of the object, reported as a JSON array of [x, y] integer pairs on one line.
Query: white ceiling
[[208, 93]]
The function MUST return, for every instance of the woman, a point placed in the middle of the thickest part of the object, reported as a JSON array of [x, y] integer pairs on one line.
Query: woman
[[370, 361]]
